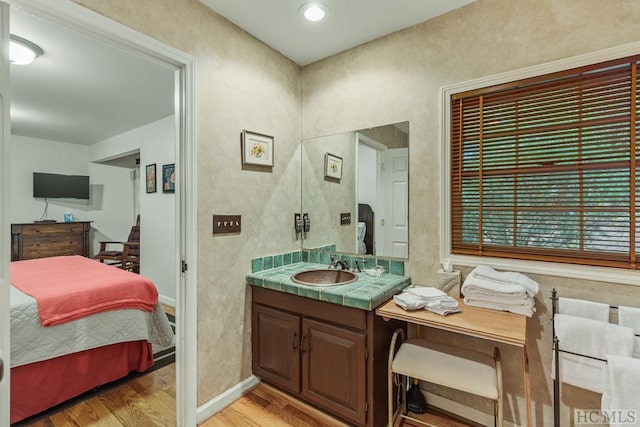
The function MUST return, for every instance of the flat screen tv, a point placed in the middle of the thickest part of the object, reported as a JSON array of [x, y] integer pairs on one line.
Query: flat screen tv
[[56, 186]]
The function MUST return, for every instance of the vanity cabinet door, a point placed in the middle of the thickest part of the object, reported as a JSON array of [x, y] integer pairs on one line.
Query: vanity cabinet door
[[276, 343], [334, 369]]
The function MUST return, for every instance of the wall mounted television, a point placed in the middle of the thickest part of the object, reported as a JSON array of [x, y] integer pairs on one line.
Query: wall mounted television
[[57, 186]]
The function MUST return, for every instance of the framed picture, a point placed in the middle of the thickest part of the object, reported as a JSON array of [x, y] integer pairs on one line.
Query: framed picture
[[169, 178], [150, 178], [332, 166], [257, 149]]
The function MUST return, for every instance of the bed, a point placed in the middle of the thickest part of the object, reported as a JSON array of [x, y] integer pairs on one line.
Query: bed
[[77, 324]]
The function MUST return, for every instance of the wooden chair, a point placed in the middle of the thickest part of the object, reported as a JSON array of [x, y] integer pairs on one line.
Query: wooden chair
[[128, 258]]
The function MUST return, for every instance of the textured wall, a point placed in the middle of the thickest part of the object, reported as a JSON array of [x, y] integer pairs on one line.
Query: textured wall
[[241, 84], [325, 199], [399, 77]]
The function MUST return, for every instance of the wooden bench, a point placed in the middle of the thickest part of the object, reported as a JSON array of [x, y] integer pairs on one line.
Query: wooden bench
[[454, 367]]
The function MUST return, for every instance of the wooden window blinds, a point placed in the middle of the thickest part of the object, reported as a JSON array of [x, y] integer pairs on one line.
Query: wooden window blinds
[[547, 168]]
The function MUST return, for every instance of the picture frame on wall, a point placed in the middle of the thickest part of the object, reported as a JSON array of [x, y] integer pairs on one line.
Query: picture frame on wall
[[150, 178], [257, 149], [169, 178], [332, 166]]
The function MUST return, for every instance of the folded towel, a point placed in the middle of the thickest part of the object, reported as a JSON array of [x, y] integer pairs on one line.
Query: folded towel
[[507, 277], [525, 307], [444, 306], [585, 309], [474, 284], [590, 338], [630, 317], [621, 378]]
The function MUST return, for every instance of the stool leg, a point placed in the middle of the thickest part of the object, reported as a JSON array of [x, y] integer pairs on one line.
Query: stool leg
[[390, 398], [500, 400]]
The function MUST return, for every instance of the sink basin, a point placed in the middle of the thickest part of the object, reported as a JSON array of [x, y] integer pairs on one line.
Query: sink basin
[[324, 277]]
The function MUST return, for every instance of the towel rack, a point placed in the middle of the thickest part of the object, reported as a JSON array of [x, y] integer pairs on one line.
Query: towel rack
[[556, 356]]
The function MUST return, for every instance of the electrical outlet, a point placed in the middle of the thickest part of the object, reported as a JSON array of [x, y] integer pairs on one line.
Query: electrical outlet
[[225, 224]]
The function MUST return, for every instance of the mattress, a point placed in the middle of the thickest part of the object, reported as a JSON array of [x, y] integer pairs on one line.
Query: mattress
[[31, 342]]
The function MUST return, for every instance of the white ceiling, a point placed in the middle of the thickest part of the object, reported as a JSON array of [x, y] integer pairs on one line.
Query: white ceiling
[[83, 91], [349, 23]]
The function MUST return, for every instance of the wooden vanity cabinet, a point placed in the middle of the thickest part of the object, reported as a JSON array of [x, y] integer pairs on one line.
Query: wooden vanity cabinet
[[332, 356]]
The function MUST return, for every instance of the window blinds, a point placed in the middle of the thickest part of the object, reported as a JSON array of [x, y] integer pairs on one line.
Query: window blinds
[[546, 168]]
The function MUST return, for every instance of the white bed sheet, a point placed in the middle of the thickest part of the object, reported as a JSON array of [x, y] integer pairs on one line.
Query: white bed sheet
[[31, 342]]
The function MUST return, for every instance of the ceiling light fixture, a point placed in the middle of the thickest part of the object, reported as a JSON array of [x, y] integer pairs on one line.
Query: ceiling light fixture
[[22, 51], [314, 11]]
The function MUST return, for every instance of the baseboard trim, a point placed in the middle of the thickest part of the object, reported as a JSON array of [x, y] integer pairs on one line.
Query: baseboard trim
[[224, 399], [461, 410], [171, 302]]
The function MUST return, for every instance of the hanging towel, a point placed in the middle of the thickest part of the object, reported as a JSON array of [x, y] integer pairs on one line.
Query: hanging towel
[[590, 338], [501, 277], [621, 379], [585, 309], [630, 317]]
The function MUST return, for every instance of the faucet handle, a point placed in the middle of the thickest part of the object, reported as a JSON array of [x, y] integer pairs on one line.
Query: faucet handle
[[332, 264], [356, 268]]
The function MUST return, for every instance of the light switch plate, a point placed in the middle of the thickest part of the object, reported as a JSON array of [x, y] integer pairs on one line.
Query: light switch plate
[[345, 218], [226, 224]]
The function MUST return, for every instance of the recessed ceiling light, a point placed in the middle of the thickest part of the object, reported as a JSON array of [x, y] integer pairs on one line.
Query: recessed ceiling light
[[314, 11], [22, 51]]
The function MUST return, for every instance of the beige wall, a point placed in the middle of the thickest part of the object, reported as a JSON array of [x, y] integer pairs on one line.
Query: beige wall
[[326, 199], [399, 77], [241, 84]]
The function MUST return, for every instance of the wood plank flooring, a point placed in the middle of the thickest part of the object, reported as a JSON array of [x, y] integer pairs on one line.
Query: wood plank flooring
[[148, 400], [267, 406]]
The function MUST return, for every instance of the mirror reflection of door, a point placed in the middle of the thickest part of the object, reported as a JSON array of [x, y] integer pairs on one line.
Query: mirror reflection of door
[[395, 196], [382, 187]]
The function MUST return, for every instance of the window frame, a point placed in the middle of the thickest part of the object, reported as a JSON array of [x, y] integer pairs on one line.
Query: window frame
[[548, 268]]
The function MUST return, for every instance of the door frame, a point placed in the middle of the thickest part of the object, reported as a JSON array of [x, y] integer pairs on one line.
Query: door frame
[[101, 28]]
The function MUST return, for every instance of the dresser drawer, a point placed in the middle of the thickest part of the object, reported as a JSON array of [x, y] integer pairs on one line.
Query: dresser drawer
[[50, 230], [52, 246]]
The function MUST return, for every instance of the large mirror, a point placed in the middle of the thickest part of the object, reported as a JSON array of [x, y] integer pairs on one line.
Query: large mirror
[[355, 190]]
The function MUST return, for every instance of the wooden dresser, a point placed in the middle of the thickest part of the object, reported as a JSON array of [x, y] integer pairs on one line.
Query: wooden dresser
[[41, 240]]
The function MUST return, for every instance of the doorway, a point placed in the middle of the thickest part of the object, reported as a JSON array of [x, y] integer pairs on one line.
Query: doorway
[[103, 30]]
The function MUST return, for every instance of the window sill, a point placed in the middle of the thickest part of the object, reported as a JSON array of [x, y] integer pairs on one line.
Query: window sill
[[556, 269]]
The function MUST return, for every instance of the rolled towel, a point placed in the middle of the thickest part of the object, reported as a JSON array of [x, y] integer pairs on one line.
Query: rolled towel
[[621, 378], [509, 277], [630, 317], [585, 309], [590, 338]]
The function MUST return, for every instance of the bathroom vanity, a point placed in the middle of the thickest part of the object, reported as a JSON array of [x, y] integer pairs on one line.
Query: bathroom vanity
[[325, 345]]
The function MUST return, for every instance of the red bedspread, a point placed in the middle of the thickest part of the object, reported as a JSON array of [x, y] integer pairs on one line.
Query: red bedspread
[[70, 287]]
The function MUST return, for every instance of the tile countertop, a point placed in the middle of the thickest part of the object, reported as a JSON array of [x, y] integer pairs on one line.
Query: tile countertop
[[366, 293]]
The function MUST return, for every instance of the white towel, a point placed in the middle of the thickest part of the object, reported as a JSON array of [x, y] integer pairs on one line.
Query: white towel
[[585, 309], [475, 284], [621, 379], [591, 338], [524, 306], [630, 317], [487, 273]]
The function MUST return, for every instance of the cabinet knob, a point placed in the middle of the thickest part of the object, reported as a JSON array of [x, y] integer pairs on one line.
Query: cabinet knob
[[302, 347]]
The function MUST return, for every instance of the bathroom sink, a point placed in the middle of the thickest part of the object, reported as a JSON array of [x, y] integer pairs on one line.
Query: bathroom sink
[[324, 277]]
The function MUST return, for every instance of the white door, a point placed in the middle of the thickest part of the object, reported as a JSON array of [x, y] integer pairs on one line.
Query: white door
[[4, 217], [395, 193]]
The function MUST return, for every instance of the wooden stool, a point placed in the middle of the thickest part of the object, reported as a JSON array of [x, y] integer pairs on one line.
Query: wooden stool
[[445, 365]]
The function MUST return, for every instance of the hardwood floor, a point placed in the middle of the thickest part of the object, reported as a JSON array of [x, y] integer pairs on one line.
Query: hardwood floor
[[148, 400], [267, 406]]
